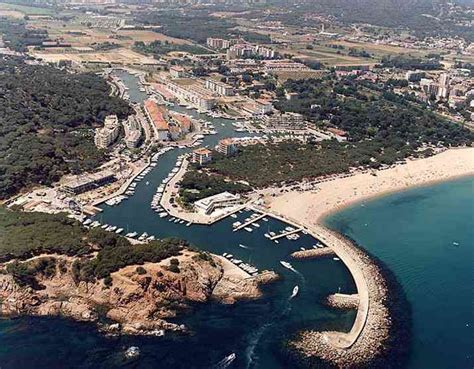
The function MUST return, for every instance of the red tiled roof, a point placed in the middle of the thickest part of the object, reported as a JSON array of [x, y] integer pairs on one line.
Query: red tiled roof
[[157, 115]]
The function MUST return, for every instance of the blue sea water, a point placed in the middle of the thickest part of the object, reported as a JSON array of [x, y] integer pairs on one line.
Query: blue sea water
[[426, 237], [412, 232]]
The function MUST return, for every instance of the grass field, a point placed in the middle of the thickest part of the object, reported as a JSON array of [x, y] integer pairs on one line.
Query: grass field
[[26, 10], [90, 36]]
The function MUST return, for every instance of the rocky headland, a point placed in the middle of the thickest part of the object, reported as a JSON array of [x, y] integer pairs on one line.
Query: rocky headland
[[136, 299]]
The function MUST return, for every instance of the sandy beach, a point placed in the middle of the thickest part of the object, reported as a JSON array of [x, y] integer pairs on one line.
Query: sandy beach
[[311, 206]]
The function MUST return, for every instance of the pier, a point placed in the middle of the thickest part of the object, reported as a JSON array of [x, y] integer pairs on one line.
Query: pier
[[284, 234], [246, 224]]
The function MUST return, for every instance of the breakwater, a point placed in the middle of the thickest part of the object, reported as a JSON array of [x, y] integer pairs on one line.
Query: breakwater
[[375, 328]]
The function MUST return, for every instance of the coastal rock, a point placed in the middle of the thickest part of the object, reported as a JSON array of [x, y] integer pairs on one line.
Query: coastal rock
[[312, 253], [138, 300]]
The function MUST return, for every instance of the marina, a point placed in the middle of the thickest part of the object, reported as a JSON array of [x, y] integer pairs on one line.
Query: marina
[[320, 277]]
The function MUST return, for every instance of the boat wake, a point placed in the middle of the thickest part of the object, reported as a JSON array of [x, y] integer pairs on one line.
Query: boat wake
[[254, 340], [225, 362]]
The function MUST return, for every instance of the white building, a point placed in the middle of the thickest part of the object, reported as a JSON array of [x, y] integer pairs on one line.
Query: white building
[[106, 135], [221, 200]]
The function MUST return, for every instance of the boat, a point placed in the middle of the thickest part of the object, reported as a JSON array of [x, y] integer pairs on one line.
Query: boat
[[236, 224], [163, 214], [248, 229], [256, 225], [302, 249], [233, 216], [132, 352], [225, 362], [147, 183], [336, 259], [104, 226], [87, 221], [267, 235], [295, 292], [265, 219], [132, 235], [118, 231], [286, 264]]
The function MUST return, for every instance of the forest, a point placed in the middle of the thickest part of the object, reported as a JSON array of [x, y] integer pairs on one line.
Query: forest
[[158, 48], [197, 185], [46, 116], [23, 235], [197, 25], [17, 37], [381, 128]]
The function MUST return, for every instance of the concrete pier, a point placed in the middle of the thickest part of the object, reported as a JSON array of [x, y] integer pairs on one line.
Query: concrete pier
[[246, 224]]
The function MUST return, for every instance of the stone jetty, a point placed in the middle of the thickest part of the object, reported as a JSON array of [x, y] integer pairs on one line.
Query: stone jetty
[[312, 253]]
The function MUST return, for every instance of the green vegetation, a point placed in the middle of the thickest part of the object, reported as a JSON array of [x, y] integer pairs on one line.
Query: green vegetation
[[17, 37], [23, 235], [26, 7], [197, 185], [381, 127], [197, 25], [409, 62], [46, 116], [118, 253], [24, 273], [158, 48]]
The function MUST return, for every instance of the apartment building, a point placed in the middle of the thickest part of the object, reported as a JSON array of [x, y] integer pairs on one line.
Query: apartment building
[[220, 88], [201, 156], [107, 135]]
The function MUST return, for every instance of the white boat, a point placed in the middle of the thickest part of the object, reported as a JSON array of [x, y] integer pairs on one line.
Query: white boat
[[163, 214], [286, 264], [132, 234], [302, 249], [267, 235], [233, 216], [256, 225], [336, 259], [236, 224], [104, 226], [295, 291], [118, 231], [248, 229], [132, 352], [87, 221]]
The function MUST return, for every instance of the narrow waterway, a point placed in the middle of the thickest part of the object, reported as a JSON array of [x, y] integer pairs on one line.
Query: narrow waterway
[[252, 330]]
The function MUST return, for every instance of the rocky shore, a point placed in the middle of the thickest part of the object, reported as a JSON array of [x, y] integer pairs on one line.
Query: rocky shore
[[375, 344], [137, 300], [312, 253], [341, 301]]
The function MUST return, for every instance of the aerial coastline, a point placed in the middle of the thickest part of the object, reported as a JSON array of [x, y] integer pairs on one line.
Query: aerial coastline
[[313, 206], [379, 297]]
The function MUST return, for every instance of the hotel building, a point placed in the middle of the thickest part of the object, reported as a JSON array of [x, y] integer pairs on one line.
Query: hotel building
[[201, 156]]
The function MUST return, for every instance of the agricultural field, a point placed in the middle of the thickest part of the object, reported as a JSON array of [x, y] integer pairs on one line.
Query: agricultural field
[[24, 10], [120, 55]]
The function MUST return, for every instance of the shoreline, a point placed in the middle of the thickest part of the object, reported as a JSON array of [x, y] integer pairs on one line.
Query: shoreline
[[333, 196], [349, 204], [375, 335]]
